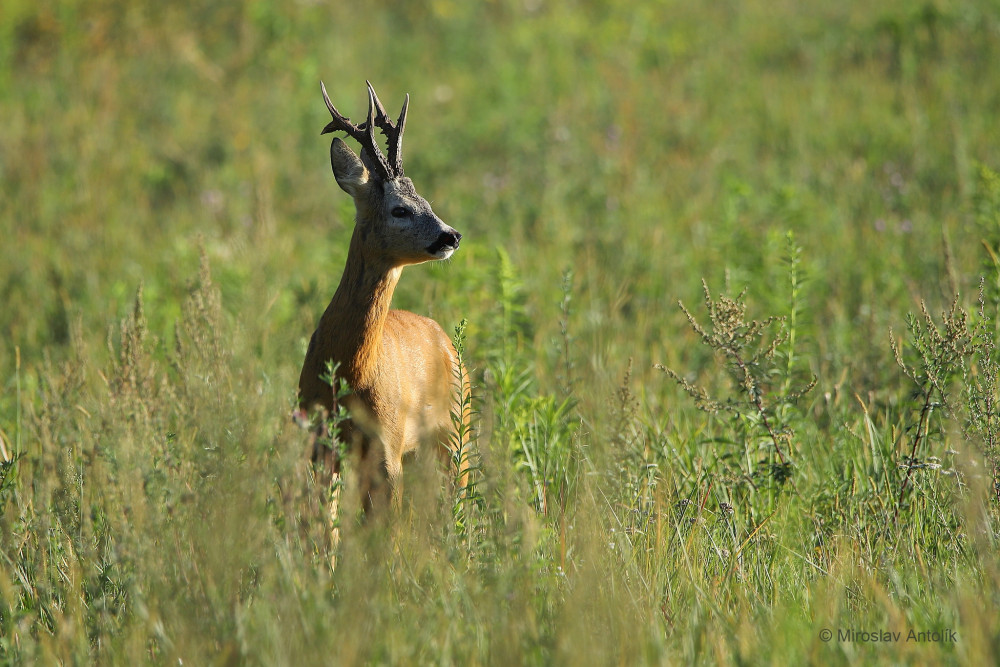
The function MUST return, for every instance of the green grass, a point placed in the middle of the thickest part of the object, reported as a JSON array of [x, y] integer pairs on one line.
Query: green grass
[[831, 167]]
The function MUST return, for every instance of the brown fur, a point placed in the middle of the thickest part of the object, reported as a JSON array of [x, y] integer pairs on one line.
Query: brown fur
[[401, 367]]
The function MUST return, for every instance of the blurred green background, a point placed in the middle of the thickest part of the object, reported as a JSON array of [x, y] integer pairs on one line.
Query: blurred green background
[[600, 160], [643, 146]]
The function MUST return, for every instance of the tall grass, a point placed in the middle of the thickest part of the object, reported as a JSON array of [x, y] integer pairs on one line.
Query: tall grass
[[170, 235]]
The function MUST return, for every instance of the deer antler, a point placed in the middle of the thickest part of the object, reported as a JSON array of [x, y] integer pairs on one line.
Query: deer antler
[[364, 133], [392, 133]]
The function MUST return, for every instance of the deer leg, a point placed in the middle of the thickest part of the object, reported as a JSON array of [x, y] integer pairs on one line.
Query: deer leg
[[324, 454], [394, 477], [378, 479]]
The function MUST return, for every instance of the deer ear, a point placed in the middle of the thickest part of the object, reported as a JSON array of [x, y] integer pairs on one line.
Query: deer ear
[[351, 175]]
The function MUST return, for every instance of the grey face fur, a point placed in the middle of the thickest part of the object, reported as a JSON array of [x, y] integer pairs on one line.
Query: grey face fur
[[398, 224]]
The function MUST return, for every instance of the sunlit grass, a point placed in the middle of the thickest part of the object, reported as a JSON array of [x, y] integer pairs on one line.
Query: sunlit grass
[[171, 233]]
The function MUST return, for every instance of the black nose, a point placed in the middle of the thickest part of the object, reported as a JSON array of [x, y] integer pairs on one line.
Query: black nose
[[445, 240]]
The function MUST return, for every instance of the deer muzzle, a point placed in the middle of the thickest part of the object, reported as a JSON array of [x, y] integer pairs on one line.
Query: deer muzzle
[[447, 242]]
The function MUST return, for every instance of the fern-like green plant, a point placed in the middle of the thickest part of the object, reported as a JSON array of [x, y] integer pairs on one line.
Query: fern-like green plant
[[463, 460]]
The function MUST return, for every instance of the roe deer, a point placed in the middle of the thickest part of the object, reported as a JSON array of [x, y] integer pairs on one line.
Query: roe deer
[[402, 369]]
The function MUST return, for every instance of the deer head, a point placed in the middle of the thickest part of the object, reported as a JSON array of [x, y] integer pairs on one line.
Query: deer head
[[396, 225]]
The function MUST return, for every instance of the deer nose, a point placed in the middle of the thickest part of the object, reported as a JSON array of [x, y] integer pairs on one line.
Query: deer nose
[[451, 238], [445, 241]]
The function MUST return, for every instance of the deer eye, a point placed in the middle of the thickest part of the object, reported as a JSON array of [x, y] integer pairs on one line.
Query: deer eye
[[400, 212]]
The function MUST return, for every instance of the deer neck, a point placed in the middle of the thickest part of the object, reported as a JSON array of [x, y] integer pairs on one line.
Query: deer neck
[[354, 321]]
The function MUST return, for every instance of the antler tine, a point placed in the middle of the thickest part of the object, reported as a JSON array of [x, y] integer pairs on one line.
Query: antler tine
[[393, 133], [369, 143], [381, 117], [339, 122], [396, 142]]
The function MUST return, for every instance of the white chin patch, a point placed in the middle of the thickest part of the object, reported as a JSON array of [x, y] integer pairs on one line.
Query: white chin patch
[[444, 253]]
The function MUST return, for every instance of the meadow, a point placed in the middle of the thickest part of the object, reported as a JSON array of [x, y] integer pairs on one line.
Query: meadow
[[729, 294]]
